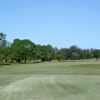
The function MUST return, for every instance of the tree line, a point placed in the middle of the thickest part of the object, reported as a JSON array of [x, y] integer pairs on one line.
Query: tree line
[[23, 51]]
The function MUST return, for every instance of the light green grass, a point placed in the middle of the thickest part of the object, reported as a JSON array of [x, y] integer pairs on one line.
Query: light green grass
[[51, 81]]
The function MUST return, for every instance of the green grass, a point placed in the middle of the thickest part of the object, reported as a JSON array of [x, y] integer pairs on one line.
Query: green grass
[[51, 81]]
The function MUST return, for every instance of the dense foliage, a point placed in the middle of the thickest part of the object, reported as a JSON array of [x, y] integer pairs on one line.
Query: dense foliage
[[23, 51]]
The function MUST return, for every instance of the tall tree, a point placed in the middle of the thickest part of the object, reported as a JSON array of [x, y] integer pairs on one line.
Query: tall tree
[[96, 53], [2, 40], [2, 46], [22, 50]]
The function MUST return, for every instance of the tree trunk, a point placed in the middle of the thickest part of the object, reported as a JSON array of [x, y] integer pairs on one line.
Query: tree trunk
[[25, 60]]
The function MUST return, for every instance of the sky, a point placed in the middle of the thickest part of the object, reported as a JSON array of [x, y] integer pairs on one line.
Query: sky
[[61, 23]]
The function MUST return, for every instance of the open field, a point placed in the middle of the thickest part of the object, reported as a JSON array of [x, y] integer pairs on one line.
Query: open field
[[51, 81]]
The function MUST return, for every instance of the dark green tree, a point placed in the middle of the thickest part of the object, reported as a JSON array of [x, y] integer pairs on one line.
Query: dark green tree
[[22, 50], [96, 53]]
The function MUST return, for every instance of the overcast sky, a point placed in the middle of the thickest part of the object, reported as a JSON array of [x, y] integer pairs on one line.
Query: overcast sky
[[61, 23]]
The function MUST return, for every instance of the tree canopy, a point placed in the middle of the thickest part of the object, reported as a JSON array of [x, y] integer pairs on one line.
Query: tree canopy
[[23, 50]]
